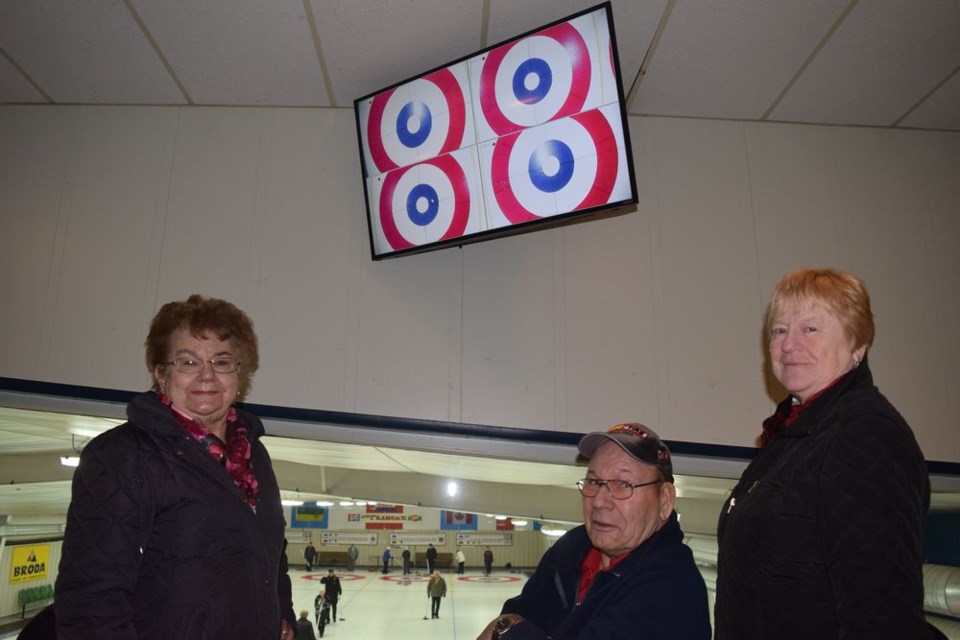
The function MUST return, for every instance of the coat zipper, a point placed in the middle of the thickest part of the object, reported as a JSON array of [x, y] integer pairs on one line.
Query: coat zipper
[[733, 501]]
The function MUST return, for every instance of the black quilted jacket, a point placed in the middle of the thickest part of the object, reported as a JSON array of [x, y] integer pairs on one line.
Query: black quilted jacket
[[161, 544], [822, 538]]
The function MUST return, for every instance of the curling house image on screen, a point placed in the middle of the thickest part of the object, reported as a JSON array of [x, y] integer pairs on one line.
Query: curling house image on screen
[[528, 132]]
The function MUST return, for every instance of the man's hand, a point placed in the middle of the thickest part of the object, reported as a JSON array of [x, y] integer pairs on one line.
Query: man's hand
[[487, 633], [286, 631], [499, 626]]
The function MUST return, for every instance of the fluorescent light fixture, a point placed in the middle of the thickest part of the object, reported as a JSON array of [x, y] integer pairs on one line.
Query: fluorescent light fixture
[[361, 504], [324, 503], [501, 517], [292, 503], [70, 461], [553, 533], [346, 503], [520, 523], [452, 489]]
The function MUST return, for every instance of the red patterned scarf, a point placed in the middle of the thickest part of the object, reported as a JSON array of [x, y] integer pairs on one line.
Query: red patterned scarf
[[234, 455]]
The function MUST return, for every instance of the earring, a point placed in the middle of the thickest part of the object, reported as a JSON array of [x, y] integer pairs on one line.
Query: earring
[[856, 362]]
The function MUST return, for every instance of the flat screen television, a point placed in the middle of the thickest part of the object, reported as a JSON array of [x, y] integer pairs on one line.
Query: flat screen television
[[529, 132]]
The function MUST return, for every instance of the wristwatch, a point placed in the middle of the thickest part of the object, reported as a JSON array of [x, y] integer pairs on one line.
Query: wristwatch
[[503, 626]]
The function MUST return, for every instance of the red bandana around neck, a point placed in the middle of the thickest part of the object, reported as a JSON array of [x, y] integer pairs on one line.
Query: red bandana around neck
[[234, 455]]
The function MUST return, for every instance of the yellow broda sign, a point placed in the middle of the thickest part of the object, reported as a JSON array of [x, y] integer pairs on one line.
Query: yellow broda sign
[[29, 562]]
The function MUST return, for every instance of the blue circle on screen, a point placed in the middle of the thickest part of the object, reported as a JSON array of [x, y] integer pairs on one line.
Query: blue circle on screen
[[539, 68], [414, 111], [556, 151], [418, 193]]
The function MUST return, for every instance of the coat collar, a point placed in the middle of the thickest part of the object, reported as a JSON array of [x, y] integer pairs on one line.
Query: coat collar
[[146, 409], [670, 533], [812, 418]]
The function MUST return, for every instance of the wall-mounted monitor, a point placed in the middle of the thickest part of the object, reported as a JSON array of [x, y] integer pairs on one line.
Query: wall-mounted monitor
[[527, 133]]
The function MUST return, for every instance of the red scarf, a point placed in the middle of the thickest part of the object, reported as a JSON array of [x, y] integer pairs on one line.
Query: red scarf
[[234, 455], [787, 414]]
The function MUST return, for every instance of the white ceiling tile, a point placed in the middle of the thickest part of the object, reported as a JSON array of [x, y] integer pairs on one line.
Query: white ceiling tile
[[238, 51], [731, 59], [35, 498], [718, 59], [884, 58], [329, 454], [14, 88], [635, 24], [487, 469], [940, 111], [85, 52], [22, 430], [371, 45]]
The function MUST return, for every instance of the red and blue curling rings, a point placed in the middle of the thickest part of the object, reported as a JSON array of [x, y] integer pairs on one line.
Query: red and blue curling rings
[[562, 80], [402, 131], [423, 203], [551, 175]]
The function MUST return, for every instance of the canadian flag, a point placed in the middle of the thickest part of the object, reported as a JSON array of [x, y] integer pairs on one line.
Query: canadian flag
[[459, 517]]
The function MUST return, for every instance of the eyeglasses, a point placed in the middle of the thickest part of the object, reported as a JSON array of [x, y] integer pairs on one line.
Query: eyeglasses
[[619, 489], [220, 364]]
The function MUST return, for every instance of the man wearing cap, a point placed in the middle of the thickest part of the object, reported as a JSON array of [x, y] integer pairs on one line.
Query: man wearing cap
[[625, 573]]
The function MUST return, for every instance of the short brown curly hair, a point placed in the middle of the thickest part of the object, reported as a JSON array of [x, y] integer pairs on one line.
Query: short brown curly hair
[[200, 316]]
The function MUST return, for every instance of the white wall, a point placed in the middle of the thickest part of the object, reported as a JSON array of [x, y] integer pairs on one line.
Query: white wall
[[654, 315]]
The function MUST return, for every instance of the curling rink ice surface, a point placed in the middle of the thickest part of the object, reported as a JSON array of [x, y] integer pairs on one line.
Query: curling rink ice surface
[[394, 606], [375, 607]]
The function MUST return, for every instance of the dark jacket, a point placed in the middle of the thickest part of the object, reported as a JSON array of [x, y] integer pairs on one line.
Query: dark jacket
[[160, 543], [332, 588], [656, 593], [823, 535], [304, 630]]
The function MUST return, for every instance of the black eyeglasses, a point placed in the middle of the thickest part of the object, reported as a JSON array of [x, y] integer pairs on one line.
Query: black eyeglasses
[[220, 364], [619, 489]]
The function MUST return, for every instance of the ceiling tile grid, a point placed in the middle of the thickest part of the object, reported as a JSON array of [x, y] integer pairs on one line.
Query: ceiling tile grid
[[370, 45], [14, 87], [880, 63], [238, 52], [941, 110], [731, 59], [84, 52], [885, 57]]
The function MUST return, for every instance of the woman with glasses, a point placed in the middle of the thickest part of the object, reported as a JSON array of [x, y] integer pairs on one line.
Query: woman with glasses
[[823, 535], [625, 573], [175, 528]]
